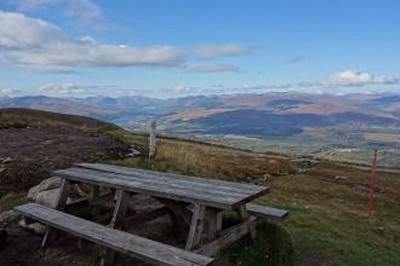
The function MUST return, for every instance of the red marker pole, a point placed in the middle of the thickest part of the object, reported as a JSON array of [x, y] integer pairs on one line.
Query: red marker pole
[[372, 185]]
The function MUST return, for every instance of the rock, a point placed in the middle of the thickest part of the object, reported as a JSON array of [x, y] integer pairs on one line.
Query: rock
[[338, 177], [8, 217], [48, 198], [2, 169], [47, 184], [133, 153], [37, 228]]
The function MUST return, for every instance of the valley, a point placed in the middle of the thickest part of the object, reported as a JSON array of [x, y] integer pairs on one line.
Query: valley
[[343, 127]]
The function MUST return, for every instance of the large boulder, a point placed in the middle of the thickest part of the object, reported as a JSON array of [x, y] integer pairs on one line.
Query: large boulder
[[48, 198], [47, 184]]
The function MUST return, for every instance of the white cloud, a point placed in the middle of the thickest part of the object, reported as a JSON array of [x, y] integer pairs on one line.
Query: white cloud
[[40, 45], [67, 88], [86, 12], [212, 51], [20, 32], [10, 92], [32, 4], [214, 68], [351, 78]]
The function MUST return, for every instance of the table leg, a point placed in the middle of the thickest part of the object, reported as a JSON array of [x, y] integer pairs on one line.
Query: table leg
[[61, 203], [120, 208], [214, 222], [94, 193], [196, 227], [122, 198]]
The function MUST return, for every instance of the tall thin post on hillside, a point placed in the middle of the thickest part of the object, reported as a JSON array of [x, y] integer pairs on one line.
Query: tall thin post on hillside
[[372, 185], [152, 138]]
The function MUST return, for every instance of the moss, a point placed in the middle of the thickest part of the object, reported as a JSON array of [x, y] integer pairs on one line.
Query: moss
[[11, 200]]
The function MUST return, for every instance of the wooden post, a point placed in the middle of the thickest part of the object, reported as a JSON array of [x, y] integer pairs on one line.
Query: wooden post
[[152, 139]]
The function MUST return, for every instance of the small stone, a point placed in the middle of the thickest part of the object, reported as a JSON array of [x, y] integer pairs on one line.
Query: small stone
[[133, 153], [8, 217], [37, 228]]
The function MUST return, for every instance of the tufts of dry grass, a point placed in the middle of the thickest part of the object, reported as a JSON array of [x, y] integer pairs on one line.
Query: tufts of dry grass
[[328, 212]]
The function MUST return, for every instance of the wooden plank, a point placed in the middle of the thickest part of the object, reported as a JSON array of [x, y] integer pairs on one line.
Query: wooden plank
[[190, 180], [132, 245], [196, 227], [228, 237], [266, 212], [165, 189], [178, 183]]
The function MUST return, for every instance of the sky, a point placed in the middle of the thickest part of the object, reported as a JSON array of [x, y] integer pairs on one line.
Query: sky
[[171, 48]]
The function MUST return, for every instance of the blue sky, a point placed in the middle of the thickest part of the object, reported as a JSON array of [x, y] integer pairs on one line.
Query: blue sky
[[172, 48]]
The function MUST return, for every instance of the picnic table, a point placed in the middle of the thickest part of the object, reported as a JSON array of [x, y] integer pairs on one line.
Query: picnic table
[[196, 205]]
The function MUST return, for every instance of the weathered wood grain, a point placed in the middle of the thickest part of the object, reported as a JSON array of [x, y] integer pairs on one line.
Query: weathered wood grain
[[266, 212], [177, 189], [228, 237], [120, 208], [142, 248], [189, 180], [196, 227]]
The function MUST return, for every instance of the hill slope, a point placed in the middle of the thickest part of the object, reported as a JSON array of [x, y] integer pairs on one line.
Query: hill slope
[[328, 222], [34, 143]]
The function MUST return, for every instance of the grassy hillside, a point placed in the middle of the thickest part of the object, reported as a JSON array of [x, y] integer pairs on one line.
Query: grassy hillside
[[22, 118], [328, 222], [327, 201], [34, 143]]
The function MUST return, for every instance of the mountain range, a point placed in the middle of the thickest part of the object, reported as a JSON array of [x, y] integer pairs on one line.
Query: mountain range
[[229, 112]]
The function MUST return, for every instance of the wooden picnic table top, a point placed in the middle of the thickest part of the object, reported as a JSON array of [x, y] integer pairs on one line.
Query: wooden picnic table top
[[209, 192]]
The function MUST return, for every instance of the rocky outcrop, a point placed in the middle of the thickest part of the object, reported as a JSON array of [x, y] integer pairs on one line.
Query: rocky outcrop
[[51, 183]]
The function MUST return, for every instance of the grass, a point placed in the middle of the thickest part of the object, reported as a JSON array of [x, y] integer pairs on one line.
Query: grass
[[328, 221], [12, 199]]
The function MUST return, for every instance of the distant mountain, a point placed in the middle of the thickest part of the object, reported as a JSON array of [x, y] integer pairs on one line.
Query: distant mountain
[[60, 105], [286, 112]]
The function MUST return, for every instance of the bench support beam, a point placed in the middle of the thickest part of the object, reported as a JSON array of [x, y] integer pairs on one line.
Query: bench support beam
[[61, 203], [196, 227], [229, 236]]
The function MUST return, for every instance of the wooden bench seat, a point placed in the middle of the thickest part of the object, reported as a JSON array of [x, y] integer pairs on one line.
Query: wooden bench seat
[[266, 212], [126, 243]]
